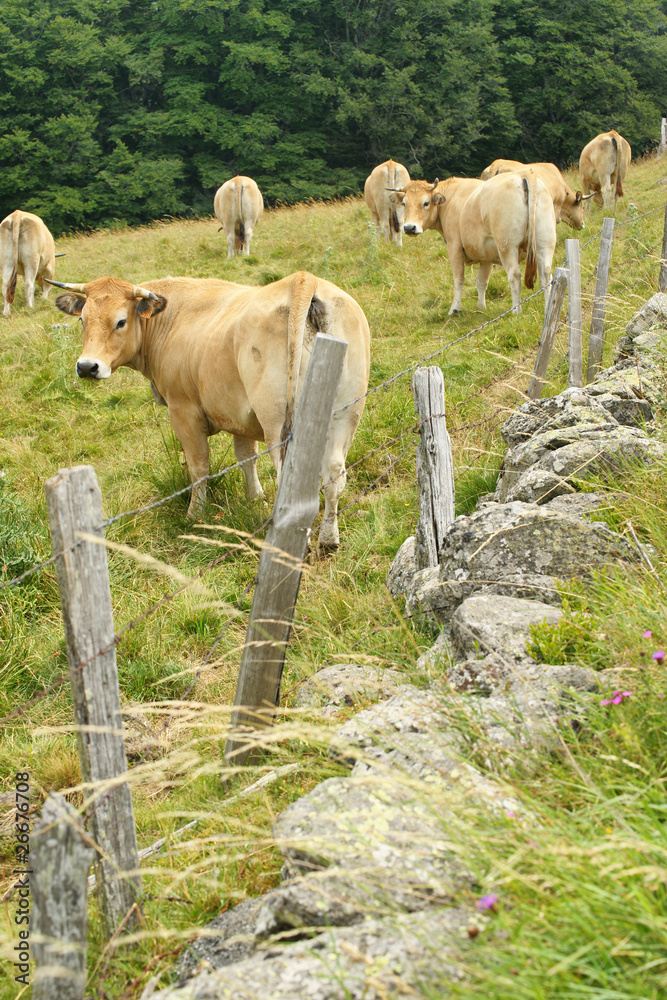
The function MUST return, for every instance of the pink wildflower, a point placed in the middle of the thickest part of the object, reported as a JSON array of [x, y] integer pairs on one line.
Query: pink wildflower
[[616, 698], [487, 902], [659, 656], [647, 634]]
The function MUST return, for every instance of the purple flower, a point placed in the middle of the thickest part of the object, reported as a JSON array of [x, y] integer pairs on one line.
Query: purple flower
[[487, 902], [647, 634], [659, 656], [616, 698]]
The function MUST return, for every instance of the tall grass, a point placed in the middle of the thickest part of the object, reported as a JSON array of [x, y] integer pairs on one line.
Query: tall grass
[[565, 883]]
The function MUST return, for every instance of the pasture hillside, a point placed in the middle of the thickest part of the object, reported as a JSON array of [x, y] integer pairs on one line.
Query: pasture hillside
[[582, 917]]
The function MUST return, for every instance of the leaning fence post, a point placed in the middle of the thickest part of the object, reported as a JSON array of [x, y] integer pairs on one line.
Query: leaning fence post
[[576, 362], [662, 279], [596, 336], [74, 505], [281, 559], [435, 469], [551, 317], [60, 856]]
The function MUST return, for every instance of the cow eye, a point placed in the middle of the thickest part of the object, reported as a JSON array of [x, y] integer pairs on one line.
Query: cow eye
[[120, 324], [426, 204]]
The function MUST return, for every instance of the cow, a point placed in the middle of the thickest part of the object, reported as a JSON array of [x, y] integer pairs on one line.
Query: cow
[[27, 248], [504, 219], [603, 164], [228, 357], [568, 204], [238, 204], [385, 216]]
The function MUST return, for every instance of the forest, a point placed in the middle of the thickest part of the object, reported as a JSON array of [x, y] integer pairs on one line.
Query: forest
[[124, 111]]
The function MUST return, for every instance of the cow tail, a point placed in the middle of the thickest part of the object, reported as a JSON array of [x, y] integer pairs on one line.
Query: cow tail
[[16, 229], [239, 209], [303, 290], [619, 185], [530, 188]]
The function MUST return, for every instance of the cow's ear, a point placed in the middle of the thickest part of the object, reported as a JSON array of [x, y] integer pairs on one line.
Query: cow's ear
[[439, 199], [71, 303], [577, 198], [397, 197], [150, 307]]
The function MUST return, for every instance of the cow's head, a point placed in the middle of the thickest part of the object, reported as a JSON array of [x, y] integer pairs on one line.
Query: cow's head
[[421, 202], [572, 209], [110, 312]]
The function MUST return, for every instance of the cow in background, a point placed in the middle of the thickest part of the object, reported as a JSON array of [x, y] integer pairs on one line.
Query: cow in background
[[568, 204], [27, 248], [238, 204], [387, 217], [603, 164], [503, 220]]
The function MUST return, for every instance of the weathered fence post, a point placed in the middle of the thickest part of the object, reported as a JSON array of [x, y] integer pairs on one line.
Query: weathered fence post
[[281, 559], [60, 856], [576, 362], [662, 279], [551, 317], [435, 468], [74, 504], [596, 336]]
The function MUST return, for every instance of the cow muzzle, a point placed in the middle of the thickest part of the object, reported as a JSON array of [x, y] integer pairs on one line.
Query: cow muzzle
[[87, 368], [412, 229]]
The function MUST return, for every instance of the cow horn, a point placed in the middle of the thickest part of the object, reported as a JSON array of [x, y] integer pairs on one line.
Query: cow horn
[[142, 293], [67, 285], [585, 197], [400, 190], [434, 185]]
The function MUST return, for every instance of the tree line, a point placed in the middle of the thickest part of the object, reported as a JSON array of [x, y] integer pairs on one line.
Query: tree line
[[131, 110]]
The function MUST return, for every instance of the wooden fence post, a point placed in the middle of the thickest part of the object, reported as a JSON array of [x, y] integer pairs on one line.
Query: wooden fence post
[[60, 856], [551, 317], [596, 336], [435, 467], [281, 559], [662, 279], [74, 505], [576, 362]]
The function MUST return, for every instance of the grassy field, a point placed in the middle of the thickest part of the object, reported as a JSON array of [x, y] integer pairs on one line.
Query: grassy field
[[583, 888]]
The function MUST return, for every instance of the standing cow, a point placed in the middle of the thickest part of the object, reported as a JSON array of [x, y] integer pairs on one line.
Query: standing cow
[[238, 204], [27, 248], [228, 357], [568, 204], [504, 219], [603, 164], [387, 217]]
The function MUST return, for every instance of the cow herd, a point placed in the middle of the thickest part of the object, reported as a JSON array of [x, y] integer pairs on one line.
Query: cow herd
[[230, 357]]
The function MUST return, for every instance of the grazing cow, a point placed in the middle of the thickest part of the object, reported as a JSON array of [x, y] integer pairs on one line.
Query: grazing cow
[[27, 248], [568, 204], [238, 204], [603, 164], [504, 219], [228, 357], [386, 217]]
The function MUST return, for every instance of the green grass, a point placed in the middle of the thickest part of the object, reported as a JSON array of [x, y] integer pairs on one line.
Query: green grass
[[578, 887]]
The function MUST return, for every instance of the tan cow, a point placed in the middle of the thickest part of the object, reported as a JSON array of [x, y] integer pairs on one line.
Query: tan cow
[[385, 216], [603, 164], [27, 248], [568, 204], [505, 219], [228, 357], [238, 204]]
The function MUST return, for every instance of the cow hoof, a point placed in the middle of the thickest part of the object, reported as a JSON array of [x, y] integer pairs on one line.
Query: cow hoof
[[454, 312]]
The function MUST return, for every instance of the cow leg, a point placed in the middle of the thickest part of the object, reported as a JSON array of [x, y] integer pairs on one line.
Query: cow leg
[[246, 240], [189, 427], [333, 484], [29, 276], [231, 244], [6, 278], [510, 262], [48, 272], [246, 452], [458, 274], [482, 283], [607, 193]]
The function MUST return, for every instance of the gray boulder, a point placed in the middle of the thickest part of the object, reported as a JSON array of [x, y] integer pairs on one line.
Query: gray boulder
[[567, 409], [652, 314], [344, 684], [491, 623]]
